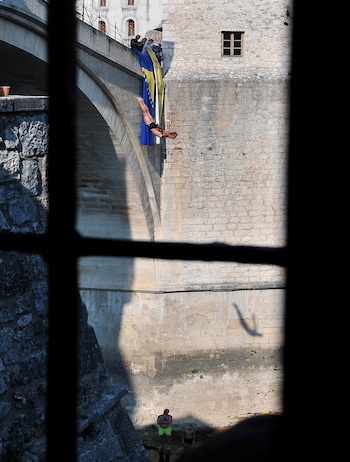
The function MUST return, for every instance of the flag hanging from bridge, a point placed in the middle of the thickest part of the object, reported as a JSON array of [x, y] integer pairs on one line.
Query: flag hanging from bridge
[[159, 86], [152, 93]]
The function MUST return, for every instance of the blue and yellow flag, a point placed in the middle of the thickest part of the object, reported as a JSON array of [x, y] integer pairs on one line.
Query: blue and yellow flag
[[153, 93], [159, 86]]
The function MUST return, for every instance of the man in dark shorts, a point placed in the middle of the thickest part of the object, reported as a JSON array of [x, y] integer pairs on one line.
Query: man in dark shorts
[[155, 128]]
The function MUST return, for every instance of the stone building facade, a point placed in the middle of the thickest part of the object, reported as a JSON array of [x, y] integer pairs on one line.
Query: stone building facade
[[122, 19]]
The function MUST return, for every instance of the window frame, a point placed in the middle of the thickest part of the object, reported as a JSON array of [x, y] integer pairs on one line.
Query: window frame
[[62, 60], [233, 42], [130, 27]]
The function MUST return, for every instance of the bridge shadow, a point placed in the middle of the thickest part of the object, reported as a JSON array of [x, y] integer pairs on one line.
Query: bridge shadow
[[102, 212]]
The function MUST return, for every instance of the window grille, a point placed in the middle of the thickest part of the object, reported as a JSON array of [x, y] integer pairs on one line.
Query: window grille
[[232, 43], [62, 246]]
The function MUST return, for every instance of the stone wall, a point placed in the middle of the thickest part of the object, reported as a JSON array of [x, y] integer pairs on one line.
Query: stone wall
[[209, 356], [206, 341], [192, 41], [223, 180], [224, 177], [105, 429]]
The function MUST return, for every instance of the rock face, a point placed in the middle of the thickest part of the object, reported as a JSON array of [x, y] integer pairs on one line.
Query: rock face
[[105, 431]]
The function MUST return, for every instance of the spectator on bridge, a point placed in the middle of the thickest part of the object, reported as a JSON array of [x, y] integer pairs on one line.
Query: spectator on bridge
[[158, 51], [155, 128], [137, 43], [146, 45], [143, 41]]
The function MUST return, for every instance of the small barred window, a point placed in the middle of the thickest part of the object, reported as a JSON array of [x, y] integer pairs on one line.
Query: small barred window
[[232, 43]]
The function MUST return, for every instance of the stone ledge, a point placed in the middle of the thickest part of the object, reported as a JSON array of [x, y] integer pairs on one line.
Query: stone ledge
[[19, 103], [98, 409]]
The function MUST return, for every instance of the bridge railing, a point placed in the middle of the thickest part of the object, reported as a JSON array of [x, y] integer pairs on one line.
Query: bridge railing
[[37, 8], [93, 19]]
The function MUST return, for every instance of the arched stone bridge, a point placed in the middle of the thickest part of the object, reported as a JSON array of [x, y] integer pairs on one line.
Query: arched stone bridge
[[117, 177]]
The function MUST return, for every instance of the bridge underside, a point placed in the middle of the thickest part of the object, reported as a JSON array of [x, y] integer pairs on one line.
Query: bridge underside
[[26, 74], [109, 203]]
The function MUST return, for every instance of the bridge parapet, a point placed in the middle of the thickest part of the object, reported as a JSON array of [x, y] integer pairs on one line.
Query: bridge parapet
[[97, 43], [37, 9], [87, 36]]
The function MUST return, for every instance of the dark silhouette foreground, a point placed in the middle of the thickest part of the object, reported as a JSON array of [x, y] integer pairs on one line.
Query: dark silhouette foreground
[[256, 439]]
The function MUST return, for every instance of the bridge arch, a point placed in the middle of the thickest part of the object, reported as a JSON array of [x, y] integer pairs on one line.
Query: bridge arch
[[112, 111], [25, 30]]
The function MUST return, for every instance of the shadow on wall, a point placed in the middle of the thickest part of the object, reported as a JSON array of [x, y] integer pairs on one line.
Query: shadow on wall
[[253, 438], [102, 212], [168, 51], [249, 330], [258, 438]]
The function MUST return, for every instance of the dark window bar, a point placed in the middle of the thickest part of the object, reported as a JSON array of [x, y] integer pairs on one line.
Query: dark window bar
[[63, 309]]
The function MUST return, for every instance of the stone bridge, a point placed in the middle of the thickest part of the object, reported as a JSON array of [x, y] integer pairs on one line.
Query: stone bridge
[[118, 178]]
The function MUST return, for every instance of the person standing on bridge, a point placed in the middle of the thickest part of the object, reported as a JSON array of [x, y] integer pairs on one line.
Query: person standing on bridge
[[137, 43], [155, 128]]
